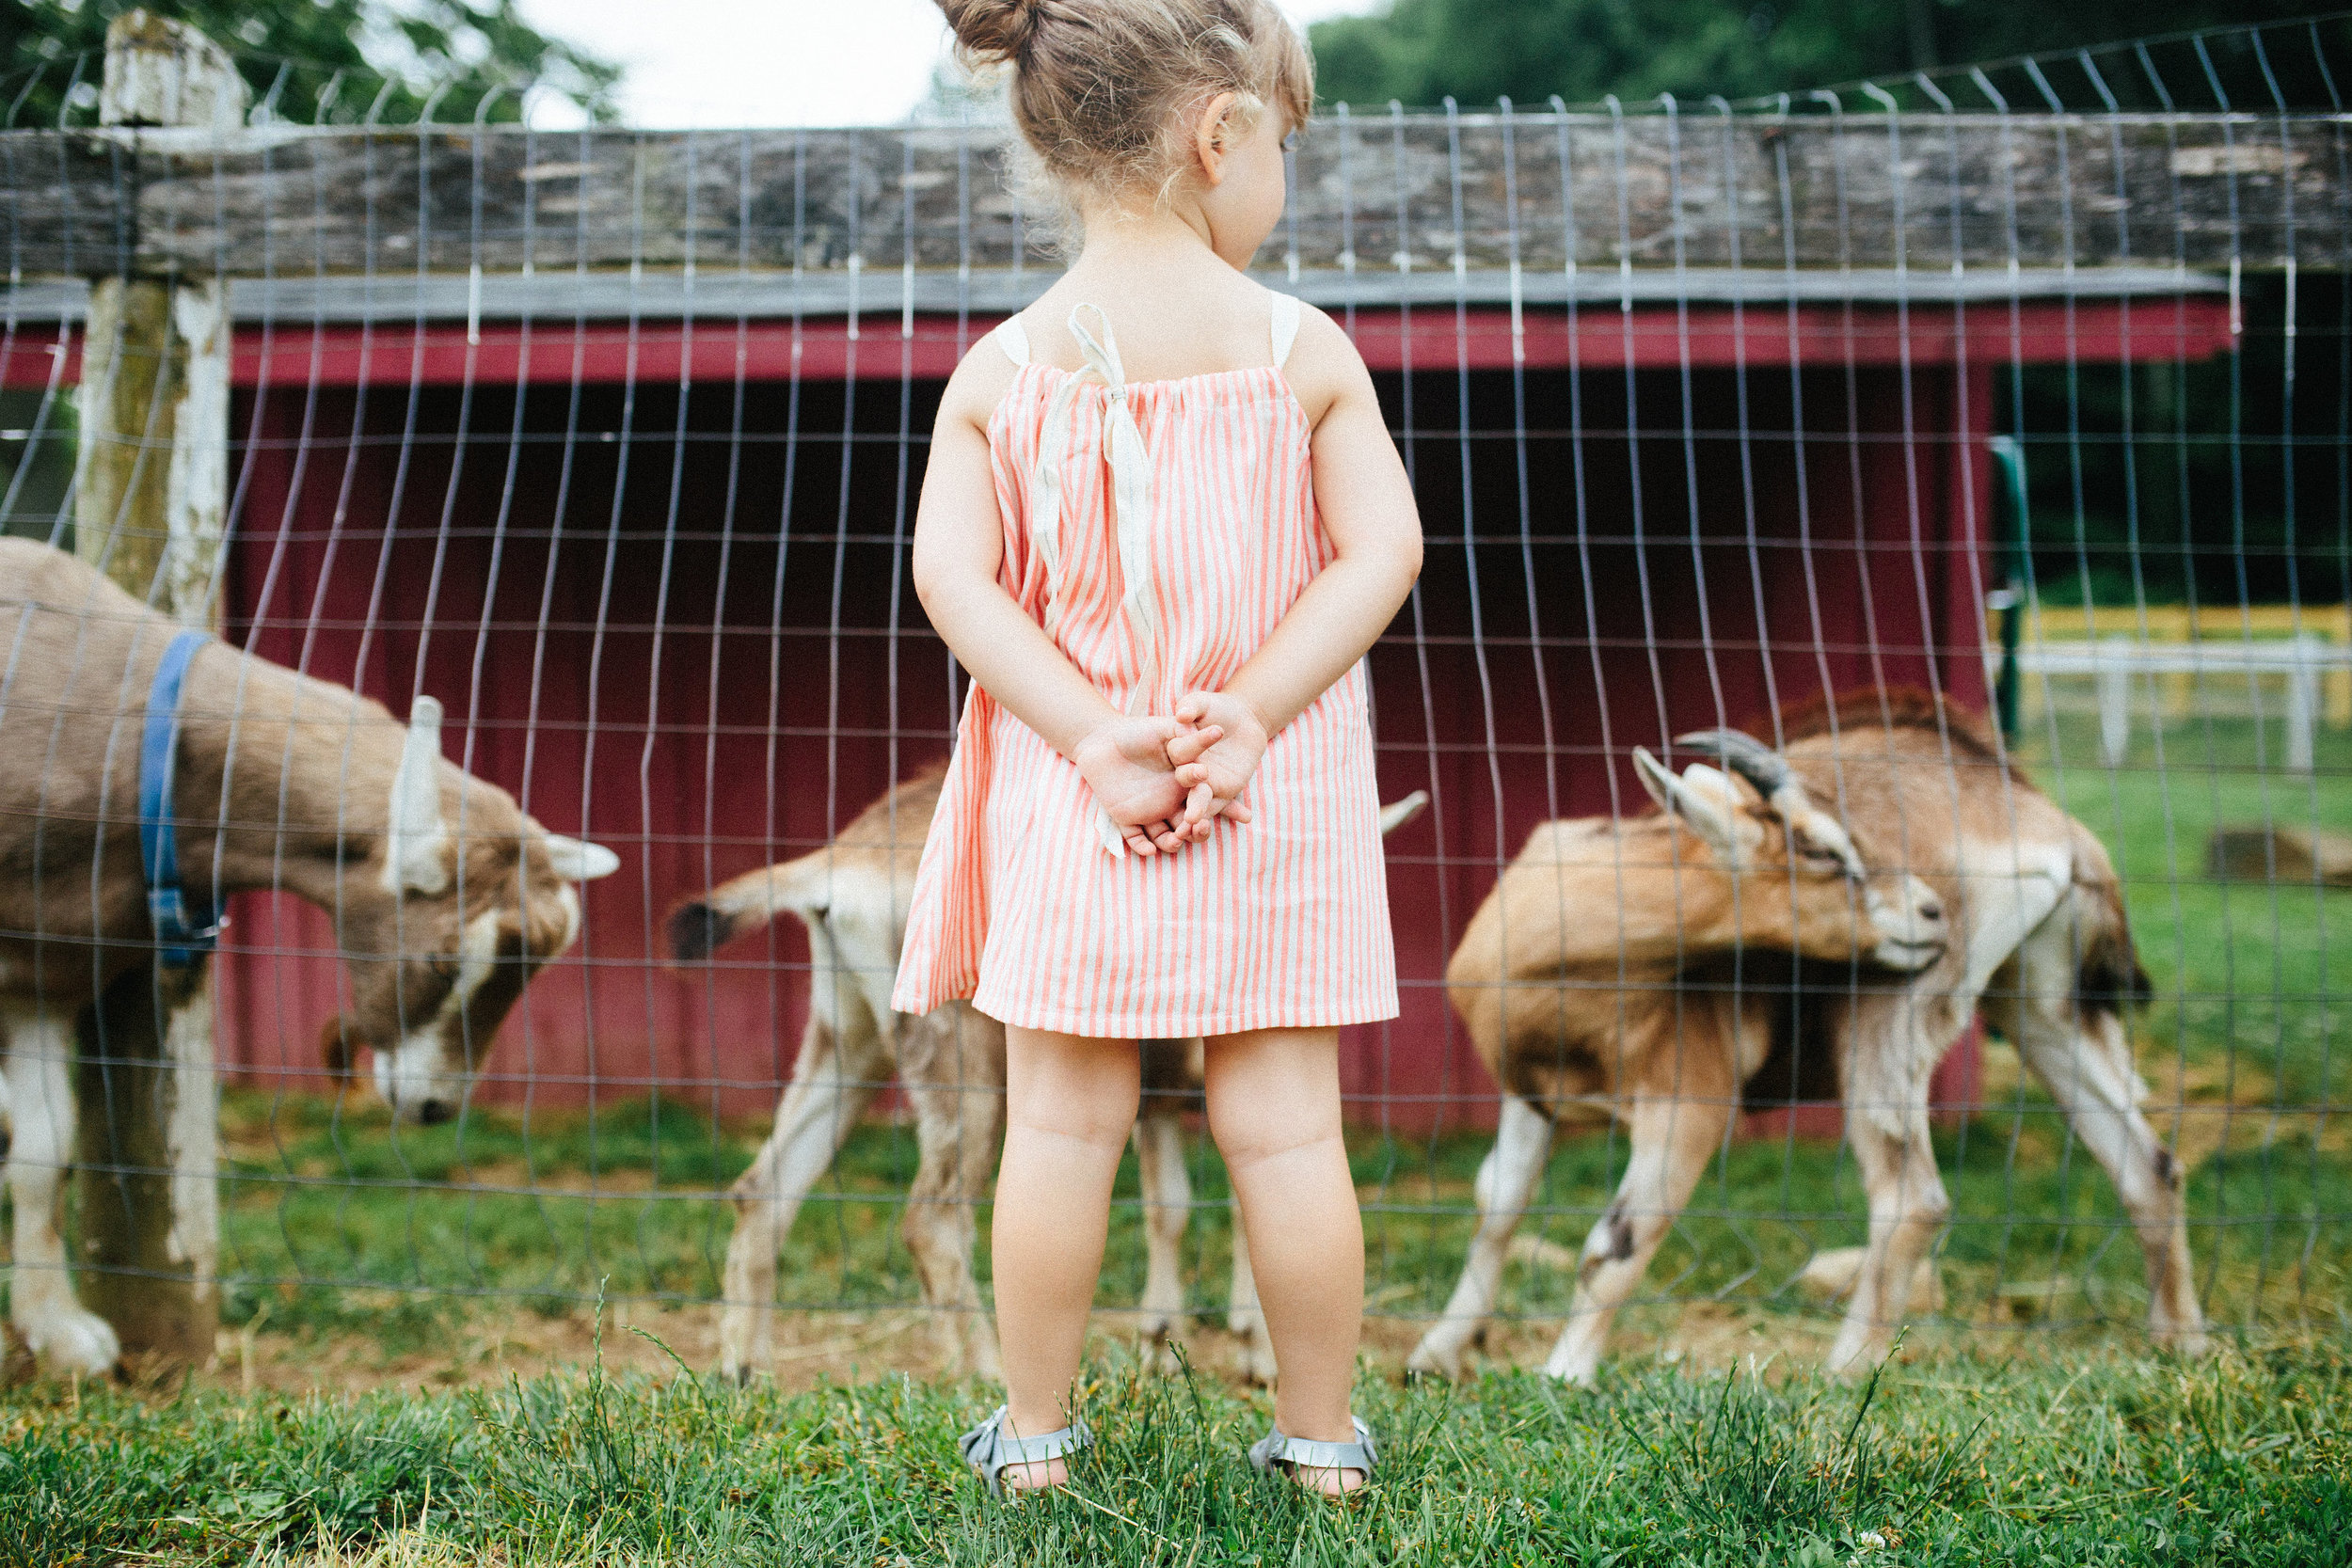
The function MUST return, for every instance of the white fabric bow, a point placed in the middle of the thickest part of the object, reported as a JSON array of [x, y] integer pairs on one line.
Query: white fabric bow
[[1130, 499]]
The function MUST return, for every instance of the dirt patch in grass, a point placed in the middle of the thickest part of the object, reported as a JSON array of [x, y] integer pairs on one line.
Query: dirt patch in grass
[[833, 1349], [812, 1349]]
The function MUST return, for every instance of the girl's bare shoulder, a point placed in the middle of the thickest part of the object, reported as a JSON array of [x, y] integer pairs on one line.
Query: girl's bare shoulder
[[981, 378], [1324, 368]]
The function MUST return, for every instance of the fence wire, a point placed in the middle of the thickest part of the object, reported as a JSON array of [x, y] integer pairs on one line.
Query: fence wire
[[2034, 400]]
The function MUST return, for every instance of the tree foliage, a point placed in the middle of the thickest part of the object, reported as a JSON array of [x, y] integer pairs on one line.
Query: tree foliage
[[1422, 51], [322, 59]]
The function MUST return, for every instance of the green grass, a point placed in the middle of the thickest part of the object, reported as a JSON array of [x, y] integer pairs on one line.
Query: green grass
[[2103, 1460]]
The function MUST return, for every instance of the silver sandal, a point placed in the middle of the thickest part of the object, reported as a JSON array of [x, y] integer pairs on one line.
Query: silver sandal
[[1305, 1453], [988, 1449]]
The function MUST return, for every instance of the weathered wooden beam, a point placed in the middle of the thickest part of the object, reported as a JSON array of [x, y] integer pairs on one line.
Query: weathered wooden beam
[[1375, 193], [657, 293], [151, 498]]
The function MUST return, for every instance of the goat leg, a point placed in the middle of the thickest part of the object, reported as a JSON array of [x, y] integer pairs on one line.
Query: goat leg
[[2086, 1063], [55, 1328], [1245, 1317], [1167, 1208], [1507, 1179], [1672, 1135], [1908, 1210], [956, 1084], [814, 1117]]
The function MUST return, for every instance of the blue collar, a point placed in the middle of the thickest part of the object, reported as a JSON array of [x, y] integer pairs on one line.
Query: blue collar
[[186, 929]]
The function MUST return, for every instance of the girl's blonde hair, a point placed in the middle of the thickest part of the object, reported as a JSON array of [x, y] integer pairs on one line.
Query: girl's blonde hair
[[1102, 90]]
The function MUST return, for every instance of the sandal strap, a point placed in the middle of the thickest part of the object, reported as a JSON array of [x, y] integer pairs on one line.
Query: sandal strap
[[1308, 1453], [988, 1448]]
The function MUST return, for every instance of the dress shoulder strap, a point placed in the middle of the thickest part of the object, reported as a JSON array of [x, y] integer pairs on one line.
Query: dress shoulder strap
[[1014, 339], [1285, 326]]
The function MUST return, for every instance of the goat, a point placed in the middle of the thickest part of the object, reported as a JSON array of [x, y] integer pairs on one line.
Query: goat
[[1615, 1019], [852, 897], [445, 896], [1569, 1008]]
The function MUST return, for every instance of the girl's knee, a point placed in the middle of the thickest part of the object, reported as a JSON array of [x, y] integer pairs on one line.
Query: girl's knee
[[1099, 1111], [1247, 1130], [1273, 1091], [1097, 1127]]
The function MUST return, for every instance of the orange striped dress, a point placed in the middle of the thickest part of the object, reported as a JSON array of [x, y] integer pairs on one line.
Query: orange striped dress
[[1158, 530]]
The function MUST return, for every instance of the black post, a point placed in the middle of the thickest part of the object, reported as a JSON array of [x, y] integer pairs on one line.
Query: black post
[[2008, 564]]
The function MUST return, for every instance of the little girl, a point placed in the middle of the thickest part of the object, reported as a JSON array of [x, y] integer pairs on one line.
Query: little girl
[[1161, 525]]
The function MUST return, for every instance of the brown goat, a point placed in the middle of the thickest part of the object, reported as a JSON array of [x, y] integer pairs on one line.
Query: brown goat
[[852, 898], [1579, 1012], [445, 896]]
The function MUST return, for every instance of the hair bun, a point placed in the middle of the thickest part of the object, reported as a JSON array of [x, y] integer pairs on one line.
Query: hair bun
[[994, 29]]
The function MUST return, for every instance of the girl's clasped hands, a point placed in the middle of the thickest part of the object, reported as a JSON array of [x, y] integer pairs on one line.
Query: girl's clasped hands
[[1163, 781]]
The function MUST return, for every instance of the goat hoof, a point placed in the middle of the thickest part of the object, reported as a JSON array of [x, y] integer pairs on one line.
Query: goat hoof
[[1154, 1342], [1574, 1377], [1435, 1360], [1432, 1368], [1573, 1366], [2193, 1344], [1854, 1368], [73, 1340]]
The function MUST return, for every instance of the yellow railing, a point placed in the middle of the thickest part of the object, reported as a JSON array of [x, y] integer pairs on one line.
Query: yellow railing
[[2175, 623]]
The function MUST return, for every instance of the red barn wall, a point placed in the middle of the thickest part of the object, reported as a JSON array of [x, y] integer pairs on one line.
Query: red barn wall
[[591, 580], [1726, 558]]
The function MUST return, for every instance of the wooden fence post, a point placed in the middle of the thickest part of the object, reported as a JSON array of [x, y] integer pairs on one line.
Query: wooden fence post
[[150, 501]]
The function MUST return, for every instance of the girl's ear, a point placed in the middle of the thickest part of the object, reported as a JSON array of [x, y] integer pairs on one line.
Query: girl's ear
[[1212, 137]]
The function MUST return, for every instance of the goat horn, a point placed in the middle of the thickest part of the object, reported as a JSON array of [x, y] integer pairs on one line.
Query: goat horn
[[1744, 755]]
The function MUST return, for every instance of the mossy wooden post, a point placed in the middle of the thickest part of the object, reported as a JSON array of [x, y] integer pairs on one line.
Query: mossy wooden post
[[151, 498]]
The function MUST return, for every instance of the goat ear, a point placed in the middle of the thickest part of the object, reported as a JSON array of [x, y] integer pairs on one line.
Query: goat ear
[[1655, 778], [416, 859], [1703, 799], [577, 860]]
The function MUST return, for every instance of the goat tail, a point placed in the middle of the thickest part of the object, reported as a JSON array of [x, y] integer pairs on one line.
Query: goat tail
[[2109, 976], [700, 926], [1398, 813], [336, 1046]]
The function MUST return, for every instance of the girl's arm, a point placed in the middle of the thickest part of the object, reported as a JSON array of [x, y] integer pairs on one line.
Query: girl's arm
[[958, 551], [1366, 505]]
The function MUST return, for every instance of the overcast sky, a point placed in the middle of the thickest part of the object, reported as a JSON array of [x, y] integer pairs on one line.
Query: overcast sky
[[774, 62]]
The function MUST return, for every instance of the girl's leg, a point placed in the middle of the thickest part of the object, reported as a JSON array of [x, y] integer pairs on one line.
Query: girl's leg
[[1274, 1109], [1070, 1104]]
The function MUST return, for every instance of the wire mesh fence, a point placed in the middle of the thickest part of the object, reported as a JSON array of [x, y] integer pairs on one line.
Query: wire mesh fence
[[2025, 390]]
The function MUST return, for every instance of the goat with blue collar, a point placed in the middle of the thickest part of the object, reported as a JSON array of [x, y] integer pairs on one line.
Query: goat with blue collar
[[146, 775]]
